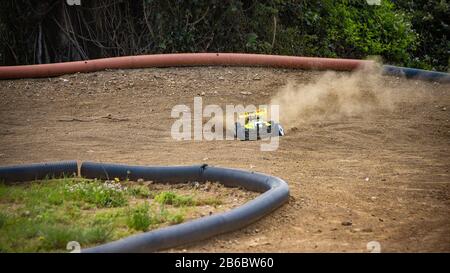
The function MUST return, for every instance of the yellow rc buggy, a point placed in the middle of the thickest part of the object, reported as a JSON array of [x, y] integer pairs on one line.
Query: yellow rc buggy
[[256, 126]]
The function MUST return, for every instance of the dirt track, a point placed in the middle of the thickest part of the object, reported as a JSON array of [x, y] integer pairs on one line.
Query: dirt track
[[386, 173]]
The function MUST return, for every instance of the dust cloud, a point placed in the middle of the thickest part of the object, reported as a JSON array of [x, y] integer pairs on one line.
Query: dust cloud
[[334, 96]]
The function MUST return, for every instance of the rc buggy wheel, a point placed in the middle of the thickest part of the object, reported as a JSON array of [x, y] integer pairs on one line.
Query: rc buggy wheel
[[239, 131], [276, 129]]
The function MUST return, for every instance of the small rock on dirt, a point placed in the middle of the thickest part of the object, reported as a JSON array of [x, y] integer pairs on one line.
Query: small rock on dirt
[[346, 223]]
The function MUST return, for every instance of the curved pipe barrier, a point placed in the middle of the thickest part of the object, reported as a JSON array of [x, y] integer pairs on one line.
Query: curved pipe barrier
[[180, 59], [208, 59], [275, 193], [29, 172], [416, 73]]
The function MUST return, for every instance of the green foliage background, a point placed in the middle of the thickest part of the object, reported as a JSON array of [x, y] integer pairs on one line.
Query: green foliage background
[[407, 33]]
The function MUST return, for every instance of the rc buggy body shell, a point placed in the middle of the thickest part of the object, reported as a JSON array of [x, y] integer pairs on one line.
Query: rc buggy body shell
[[256, 126]]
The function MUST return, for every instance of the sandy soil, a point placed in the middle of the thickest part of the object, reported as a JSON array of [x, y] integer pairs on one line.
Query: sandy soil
[[382, 176]]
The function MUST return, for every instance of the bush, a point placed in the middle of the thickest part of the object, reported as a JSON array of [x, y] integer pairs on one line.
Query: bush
[[402, 32], [360, 30], [431, 20]]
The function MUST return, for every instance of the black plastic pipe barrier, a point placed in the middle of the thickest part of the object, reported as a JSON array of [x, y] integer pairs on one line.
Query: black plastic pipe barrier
[[416, 73], [29, 172], [274, 190]]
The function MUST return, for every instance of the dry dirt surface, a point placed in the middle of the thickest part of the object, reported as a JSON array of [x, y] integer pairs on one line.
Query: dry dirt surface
[[371, 165]]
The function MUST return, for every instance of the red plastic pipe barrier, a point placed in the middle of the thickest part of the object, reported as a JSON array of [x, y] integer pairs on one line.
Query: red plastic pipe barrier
[[180, 59]]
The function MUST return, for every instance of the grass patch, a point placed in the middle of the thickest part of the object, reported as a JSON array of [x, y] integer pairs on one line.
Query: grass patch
[[139, 218], [171, 198], [140, 191], [106, 194], [43, 216], [3, 219], [145, 216]]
